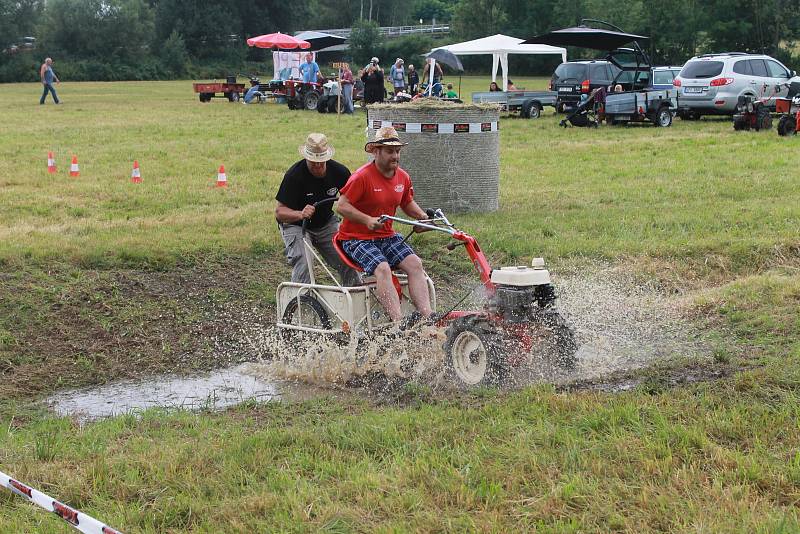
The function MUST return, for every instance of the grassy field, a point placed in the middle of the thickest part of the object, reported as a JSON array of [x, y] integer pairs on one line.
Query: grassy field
[[102, 279]]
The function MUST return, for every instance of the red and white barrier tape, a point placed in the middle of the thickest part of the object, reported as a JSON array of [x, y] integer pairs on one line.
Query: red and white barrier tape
[[79, 520]]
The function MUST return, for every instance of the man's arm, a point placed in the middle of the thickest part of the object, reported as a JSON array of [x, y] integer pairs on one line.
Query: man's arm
[[351, 213], [412, 209], [41, 72], [285, 214]]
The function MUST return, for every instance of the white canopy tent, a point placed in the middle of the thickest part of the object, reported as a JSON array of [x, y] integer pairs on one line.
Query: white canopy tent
[[499, 46]]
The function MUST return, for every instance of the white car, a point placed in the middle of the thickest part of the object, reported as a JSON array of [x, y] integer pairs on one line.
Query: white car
[[711, 84]]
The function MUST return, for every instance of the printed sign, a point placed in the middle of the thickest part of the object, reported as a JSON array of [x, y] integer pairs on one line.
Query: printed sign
[[461, 128], [399, 126], [429, 128], [486, 126]]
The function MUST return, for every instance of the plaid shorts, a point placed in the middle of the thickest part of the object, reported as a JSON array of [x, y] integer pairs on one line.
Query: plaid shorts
[[371, 253]]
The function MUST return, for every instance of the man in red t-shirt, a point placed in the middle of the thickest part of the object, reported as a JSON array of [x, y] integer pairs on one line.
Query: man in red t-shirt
[[379, 188]]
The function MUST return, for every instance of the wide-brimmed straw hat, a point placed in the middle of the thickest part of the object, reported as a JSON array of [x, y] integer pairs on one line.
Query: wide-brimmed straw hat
[[386, 136], [316, 148]]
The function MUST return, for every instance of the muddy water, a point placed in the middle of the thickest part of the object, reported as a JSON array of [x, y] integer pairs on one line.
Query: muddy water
[[216, 390], [620, 325]]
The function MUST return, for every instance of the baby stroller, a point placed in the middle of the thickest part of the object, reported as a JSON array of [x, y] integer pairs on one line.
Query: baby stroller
[[585, 114]]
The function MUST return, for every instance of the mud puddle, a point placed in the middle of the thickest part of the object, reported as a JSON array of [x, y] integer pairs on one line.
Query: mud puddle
[[620, 325], [212, 391]]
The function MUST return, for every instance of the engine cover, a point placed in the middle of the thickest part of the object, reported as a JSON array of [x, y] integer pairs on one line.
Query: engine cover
[[520, 276]]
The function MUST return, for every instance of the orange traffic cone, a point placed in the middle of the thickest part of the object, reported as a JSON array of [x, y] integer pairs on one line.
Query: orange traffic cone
[[51, 163], [136, 176], [73, 169], [222, 180]]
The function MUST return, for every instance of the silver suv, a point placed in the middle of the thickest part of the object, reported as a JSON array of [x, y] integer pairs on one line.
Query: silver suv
[[712, 83]]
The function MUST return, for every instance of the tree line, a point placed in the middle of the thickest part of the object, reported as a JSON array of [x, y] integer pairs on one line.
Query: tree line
[[162, 39]]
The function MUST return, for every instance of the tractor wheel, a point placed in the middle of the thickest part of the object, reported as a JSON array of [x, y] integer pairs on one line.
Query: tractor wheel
[[787, 126], [763, 119], [531, 110], [663, 117], [311, 100], [474, 353], [740, 123], [305, 310], [563, 347], [233, 97]]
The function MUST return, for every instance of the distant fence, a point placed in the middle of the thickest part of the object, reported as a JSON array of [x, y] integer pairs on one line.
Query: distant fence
[[397, 31]]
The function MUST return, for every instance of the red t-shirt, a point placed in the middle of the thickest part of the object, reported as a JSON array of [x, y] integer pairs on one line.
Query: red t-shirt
[[374, 194]]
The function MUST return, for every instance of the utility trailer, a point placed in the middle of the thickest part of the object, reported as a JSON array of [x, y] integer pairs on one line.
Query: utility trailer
[[229, 89], [656, 106], [528, 104]]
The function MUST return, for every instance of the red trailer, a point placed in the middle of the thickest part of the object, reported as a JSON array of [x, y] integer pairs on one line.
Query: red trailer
[[229, 89]]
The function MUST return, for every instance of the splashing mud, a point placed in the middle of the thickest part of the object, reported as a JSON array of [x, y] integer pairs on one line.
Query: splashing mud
[[619, 326]]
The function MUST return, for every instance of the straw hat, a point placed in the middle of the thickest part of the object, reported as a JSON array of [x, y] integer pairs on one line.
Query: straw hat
[[386, 136], [316, 148]]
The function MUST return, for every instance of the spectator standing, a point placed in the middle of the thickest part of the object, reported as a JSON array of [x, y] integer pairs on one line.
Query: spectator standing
[[413, 80], [48, 77], [347, 88], [398, 76], [437, 72], [309, 70], [373, 84]]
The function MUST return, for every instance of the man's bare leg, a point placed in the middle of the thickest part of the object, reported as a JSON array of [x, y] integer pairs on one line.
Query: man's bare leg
[[386, 293], [417, 284]]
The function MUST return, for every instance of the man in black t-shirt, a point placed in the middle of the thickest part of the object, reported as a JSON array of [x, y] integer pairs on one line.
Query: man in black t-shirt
[[314, 178]]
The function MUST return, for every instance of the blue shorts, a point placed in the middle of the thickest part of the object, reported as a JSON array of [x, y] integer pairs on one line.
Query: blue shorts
[[371, 253]]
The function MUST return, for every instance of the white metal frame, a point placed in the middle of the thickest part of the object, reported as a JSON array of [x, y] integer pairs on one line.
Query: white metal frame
[[341, 309]]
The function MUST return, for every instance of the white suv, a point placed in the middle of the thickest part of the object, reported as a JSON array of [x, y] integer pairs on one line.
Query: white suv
[[712, 83]]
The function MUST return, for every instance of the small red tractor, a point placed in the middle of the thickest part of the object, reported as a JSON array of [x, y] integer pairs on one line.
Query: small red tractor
[[518, 318], [789, 108]]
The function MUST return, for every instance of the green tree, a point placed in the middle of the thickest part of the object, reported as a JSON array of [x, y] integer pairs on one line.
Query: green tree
[[9, 33], [207, 27], [174, 55], [365, 41], [427, 10], [478, 18], [113, 30]]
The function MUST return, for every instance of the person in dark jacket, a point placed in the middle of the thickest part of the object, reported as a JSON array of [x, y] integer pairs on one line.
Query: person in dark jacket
[[373, 84], [413, 80]]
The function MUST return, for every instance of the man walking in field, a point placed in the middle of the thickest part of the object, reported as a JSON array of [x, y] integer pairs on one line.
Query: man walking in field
[[379, 188], [314, 178], [47, 76]]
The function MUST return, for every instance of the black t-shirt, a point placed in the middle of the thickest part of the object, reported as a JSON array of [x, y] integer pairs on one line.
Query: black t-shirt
[[300, 188]]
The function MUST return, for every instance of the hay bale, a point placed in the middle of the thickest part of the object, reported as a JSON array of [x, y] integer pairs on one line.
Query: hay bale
[[453, 152]]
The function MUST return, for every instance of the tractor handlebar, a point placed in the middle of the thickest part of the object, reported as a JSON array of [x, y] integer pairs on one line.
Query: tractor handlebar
[[330, 200]]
